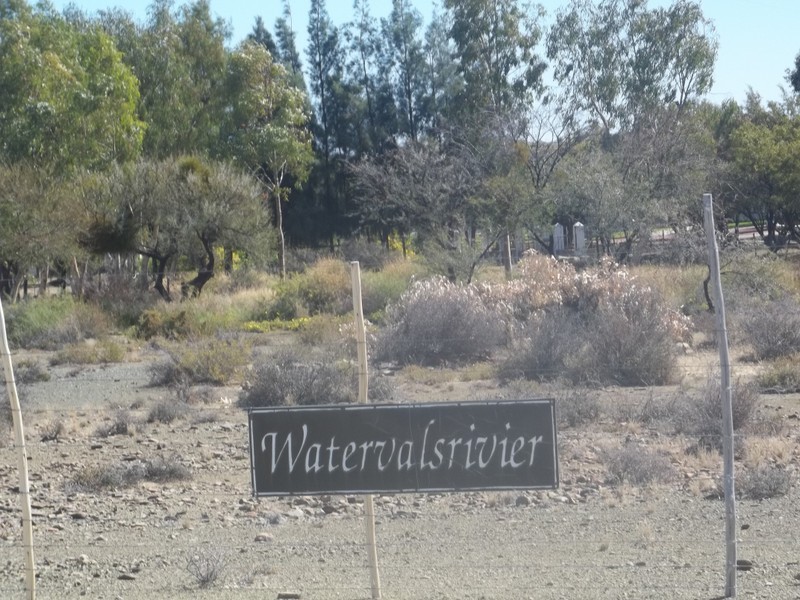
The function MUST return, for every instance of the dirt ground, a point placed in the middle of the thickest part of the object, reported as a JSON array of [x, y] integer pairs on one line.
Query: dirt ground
[[207, 537]]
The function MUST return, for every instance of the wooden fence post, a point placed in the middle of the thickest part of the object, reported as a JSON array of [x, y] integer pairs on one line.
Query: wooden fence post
[[24, 486], [363, 386], [727, 401]]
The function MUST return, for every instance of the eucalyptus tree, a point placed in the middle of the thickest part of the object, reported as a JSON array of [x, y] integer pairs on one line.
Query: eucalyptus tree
[[36, 229], [66, 98], [337, 119], [266, 127], [617, 60], [444, 84], [766, 158], [635, 75], [793, 76], [495, 45], [173, 209], [179, 57]]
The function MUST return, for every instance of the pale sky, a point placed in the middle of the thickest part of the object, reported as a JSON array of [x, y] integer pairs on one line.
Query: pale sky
[[758, 39]]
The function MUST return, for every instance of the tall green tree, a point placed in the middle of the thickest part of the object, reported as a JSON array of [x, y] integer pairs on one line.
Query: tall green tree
[[266, 127], [180, 60], [261, 35], [370, 73], [617, 60], [66, 98], [766, 156], [406, 55], [336, 116], [495, 42]]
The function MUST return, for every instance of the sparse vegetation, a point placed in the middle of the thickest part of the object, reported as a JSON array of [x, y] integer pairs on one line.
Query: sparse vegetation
[[292, 379], [763, 482], [576, 407], [167, 411], [638, 465], [437, 322], [52, 430], [124, 474], [772, 328], [218, 361], [51, 322], [90, 353], [206, 567], [121, 424], [781, 376], [700, 416]]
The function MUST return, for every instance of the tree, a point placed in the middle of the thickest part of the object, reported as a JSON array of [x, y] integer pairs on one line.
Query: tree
[[34, 231], [444, 84], [66, 98], [406, 56], [176, 208], [793, 77], [261, 35], [336, 116], [617, 60], [495, 42], [766, 156], [370, 73], [412, 188], [180, 59], [266, 129]]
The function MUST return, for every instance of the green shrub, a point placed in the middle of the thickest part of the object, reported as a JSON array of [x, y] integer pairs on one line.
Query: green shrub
[[381, 288], [157, 322], [216, 361], [47, 323], [326, 287], [284, 306], [437, 322], [85, 353]]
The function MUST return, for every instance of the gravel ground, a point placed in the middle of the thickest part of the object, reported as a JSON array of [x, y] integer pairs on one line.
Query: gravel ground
[[586, 540]]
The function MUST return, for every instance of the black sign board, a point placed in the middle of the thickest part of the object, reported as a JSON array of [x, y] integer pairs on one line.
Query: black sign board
[[387, 448]]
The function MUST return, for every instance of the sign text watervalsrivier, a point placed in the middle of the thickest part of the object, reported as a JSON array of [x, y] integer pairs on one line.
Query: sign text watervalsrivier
[[403, 447]]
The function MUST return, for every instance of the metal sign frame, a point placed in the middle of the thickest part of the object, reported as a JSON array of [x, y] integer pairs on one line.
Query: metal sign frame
[[403, 448]]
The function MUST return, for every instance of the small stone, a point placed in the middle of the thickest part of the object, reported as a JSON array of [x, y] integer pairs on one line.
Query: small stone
[[523, 501], [127, 577], [263, 537]]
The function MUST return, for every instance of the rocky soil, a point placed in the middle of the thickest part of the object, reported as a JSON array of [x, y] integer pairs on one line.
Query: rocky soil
[[207, 537]]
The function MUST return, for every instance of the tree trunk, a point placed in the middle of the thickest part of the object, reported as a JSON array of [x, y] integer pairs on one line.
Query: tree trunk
[[159, 266], [228, 261], [281, 237], [204, 274], [506, 249]]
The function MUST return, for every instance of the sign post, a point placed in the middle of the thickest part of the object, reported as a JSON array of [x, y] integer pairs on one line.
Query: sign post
[[727, 401], [363, 388], [24, 486]]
